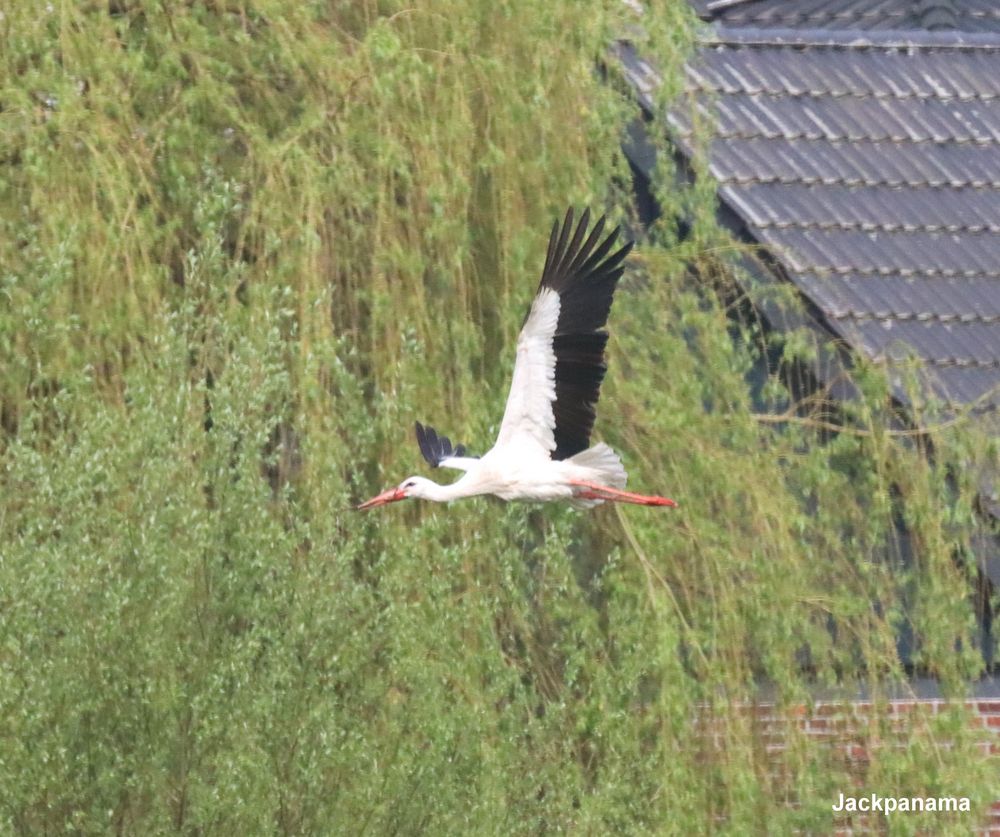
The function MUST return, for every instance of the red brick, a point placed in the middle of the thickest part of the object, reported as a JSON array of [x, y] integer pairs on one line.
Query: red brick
[[854, 731]]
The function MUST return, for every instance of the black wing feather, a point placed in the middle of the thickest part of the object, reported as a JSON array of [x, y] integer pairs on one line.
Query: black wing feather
[[585, 278], [436, 449]]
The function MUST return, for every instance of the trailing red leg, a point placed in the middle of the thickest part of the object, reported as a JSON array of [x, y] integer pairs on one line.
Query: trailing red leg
[[593, 491]]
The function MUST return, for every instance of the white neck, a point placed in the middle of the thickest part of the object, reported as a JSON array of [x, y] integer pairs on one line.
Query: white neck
[[429, 490]]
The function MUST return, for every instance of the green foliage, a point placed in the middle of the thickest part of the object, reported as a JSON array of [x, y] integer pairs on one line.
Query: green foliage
[[243, 246]]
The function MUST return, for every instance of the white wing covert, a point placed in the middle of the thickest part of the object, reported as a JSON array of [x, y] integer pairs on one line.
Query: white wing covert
[[560, 351]]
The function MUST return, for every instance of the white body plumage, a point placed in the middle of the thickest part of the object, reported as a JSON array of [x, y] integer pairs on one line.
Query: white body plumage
[[543, 451]]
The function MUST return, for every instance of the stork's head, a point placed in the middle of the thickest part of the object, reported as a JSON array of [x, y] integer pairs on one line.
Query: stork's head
[[417, 487]]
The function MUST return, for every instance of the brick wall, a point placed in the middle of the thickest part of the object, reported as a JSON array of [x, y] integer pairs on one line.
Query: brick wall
[[855, 730], [830, 722]]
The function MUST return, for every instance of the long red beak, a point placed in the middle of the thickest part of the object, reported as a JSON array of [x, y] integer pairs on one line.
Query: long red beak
[[390, 496]]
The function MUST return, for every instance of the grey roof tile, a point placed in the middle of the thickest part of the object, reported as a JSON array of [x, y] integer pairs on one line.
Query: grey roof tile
[[854, 119], [887, 253], [866, 207], [938, 74], [939, 344], [870, 167], [861, 163], [965, 385], [968, 15]]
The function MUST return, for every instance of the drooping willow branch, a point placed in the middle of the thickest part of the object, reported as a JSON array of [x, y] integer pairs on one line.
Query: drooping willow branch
[[820, 424]]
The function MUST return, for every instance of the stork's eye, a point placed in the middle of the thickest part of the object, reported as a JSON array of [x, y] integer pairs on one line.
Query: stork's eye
[[409, 483]]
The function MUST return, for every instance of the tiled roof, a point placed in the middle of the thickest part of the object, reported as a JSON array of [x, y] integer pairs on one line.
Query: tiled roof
[[869, 165], [967, 15]]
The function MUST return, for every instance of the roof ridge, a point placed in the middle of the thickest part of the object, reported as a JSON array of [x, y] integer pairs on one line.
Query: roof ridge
[[903, 272], [912, 316], [806, 180], [861, 226], [811, 136], [799, 16], [733, 90], [820, 15], [844, 39], [962, 362]]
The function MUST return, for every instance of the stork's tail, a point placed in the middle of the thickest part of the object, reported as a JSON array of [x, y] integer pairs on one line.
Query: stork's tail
[[606, 467]]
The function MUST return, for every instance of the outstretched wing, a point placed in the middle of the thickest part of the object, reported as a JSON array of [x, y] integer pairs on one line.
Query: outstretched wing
[[437, 450], [560, 351]]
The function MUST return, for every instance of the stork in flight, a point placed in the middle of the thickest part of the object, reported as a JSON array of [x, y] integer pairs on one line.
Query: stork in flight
[[543, 451]]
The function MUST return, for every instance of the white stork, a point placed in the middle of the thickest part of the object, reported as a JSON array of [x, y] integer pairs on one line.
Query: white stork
[[543, 451]]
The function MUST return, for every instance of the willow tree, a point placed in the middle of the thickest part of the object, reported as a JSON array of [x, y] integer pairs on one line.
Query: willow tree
[[244, 246]]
